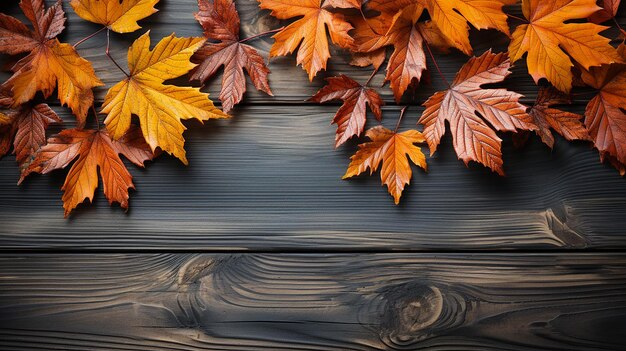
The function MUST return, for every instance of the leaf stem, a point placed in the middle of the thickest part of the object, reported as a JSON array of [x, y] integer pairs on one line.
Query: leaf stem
[[372, 76], [400, 119], [95, 114], [432, 57], [111, 57], [518, 18], [617, 24], [262, 34], [89, 37]]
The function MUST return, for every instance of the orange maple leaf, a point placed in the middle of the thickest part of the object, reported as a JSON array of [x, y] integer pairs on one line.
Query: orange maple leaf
[[308, 32], [391, 149], [475, 113], [547, 38], [93, 150], [118, 15], [451, 16], [408, 36], [545, 117], [220, 21], [351, 116], [49, 62]]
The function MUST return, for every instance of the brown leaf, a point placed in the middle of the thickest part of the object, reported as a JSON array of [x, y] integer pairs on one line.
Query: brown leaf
[[608, 10], [351, 116], [220, 21], [93, 150], [391, 149], [567, 124], [475, 113], [604, 115]]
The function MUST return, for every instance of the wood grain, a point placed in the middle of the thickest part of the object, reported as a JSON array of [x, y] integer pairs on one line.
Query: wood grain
[[288, 82], [313, 302], [269, 179]]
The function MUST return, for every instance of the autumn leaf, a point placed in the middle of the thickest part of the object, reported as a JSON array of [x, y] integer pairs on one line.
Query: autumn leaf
[[545, 117], [93, 150], [604, 114], [220, 22], [408, 61], [608, 10], [118, 15], [351, 116], [548, 40], [392, 149], [159, 107], [27, 131], [451, 16], [343, 4], [308, 32], [476, 113], [49, 62], [4, 119]]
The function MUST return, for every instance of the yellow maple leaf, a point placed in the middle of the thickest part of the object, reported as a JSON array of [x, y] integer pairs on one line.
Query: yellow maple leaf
[[119, 16], [159, 107], [548, 40]]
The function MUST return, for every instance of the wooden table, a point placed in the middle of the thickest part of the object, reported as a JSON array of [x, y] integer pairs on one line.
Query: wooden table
[[259, 244]]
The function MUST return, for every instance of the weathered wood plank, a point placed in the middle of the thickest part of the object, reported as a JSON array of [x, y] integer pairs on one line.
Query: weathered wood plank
[[313, 302], [289, 83], [270, 180]]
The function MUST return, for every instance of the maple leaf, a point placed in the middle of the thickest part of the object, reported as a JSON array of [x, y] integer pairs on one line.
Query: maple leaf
[[607, 11], [451, 16], [308, 32], [27, 131], [475, 113], [548, 40], [408, 61], [351, 116], [220, 21], [604, 115], [49, 61], [392, 149], [93, 150], [159, 107], [545, 117], [343, 4], [118, 15]]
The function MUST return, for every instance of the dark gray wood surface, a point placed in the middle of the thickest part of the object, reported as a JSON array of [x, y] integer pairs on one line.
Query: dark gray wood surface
[[313, 302], [259, 244]]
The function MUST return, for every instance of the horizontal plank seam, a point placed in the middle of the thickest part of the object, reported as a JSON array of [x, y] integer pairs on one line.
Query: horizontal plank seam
[[313, 251]]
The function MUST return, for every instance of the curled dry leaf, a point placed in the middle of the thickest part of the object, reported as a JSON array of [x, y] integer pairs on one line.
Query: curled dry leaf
[[545, 117], [220, 21], [93, 150], [159, 107], [118, 15], [548, 40], [351, 116], [604, 114], [392, 149], [475, 113], [48, 61], [308, 32]]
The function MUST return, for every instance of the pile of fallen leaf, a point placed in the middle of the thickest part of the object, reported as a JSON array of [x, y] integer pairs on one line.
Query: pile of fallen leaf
[[561, 40]]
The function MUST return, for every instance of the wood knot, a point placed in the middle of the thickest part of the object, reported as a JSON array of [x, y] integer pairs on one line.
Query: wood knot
[[413, 311]]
